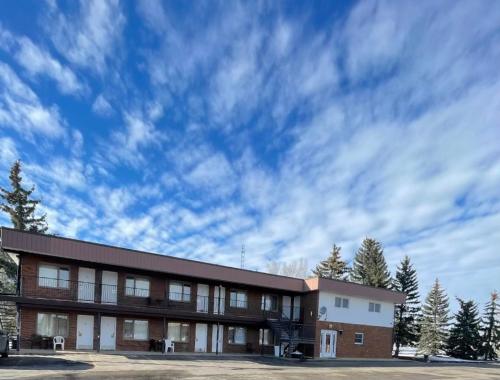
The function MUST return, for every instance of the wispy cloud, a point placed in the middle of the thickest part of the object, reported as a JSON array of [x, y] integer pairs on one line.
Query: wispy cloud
[[22, 110], [89, 37], [39, 62]]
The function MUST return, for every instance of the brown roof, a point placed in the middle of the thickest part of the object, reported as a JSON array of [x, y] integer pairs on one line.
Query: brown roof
[[354, 290], [55, 246]]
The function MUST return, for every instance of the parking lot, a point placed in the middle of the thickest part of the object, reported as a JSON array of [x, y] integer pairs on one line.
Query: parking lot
[[97, 366]]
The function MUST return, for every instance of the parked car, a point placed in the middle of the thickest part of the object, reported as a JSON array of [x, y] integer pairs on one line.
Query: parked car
[[4, 344]]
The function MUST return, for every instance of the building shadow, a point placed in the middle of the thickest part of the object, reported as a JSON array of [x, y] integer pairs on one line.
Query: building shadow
[[34, 362]]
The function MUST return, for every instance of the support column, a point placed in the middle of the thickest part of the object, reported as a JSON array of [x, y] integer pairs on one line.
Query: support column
[[98, 332]]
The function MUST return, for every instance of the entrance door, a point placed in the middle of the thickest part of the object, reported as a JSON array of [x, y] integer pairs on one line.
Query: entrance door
[[86, 284], [328, 343], [219, 302], [108, 333], [202, 299], [287, 307], [200, 344], [85, 332], [217, 344], [109, 287]]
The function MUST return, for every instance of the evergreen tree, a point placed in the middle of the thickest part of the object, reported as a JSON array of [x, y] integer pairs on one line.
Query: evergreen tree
[[464, 341], [19, 206], [333, 267], [405, 318], [369, 266], [434, 321], [491, 329], [21, 209]]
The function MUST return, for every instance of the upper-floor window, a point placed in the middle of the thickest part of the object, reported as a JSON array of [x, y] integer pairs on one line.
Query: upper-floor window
[[135, 329], [238, 299], [359, 338], [135, 286], [178, 332], [237, 335], [374, 307], [269, 302], [53, 276], [342, 302], [51, 324], [179, 291]]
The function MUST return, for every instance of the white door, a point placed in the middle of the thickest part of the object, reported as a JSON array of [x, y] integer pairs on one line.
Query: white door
[[85, 332], [219, 302], [328, 344], [109, 287], [202, 299], [108, 333], [217, 344], [200, 344], [86, 284], [296, 308], [287, 307]]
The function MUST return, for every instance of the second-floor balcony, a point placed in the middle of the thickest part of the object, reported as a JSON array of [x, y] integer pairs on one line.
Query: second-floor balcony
[[63, 290]]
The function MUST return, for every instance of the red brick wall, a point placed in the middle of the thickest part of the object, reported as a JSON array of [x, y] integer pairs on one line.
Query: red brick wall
[[377, 340]]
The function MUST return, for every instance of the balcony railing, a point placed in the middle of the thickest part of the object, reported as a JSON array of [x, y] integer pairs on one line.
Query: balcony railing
[[105, 294]]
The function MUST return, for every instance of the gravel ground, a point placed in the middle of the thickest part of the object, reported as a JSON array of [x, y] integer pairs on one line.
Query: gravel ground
[[100, 366]]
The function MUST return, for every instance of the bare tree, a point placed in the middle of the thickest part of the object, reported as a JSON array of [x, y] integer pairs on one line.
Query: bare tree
[[295, 268]]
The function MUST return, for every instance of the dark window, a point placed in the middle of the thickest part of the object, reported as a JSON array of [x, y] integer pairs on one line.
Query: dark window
[[135, 286], [237, 335], [269, 302], [359, 338], [179, 291], [238, 299]]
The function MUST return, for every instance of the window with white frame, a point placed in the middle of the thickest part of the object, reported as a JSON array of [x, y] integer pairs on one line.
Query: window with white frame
[[53, 276], [136, 286], [266, 337], [51, 324], [178, 291], [269, 302], [342, 302], [359, 338], [374, 307], [237, 335], [135, 329], [178, 332], [238, 299]]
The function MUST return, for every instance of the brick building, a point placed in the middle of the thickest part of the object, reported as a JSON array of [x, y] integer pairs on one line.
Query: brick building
[[100, 297]]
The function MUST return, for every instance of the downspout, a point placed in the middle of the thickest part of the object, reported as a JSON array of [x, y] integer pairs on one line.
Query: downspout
[[218, 322]]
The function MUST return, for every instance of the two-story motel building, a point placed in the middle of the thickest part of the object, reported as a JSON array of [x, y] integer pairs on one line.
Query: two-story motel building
[[100, 297]]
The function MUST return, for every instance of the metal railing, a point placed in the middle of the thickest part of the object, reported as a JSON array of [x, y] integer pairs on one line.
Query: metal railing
[[106, 294]]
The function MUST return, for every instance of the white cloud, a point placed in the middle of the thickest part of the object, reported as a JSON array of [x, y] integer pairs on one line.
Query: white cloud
[[8, 152], [21, 109], [101, 106], [39, 62], [88, 38]]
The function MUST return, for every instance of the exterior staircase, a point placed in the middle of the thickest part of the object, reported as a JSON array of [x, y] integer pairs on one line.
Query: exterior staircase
[[291, 332]]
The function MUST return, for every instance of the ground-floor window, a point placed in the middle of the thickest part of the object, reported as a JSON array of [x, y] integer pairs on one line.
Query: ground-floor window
[[359, 338], [178, 332], [49, 324], [266, 337], [237, 335], [135, 329]]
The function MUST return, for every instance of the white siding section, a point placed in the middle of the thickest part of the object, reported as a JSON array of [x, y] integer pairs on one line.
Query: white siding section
[[357, 313]]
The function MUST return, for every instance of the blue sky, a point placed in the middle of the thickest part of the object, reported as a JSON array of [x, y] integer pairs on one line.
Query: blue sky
[[191, 128]]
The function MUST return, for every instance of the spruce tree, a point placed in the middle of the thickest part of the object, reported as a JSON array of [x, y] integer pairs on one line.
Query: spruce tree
[[405, 315], [369, 266], [490, 344], [21, 209], [434, 321], [333, 267], [464, 341], [19, 206]]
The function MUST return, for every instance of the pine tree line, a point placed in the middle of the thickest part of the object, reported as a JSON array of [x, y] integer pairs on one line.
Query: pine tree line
[[425, 326]]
